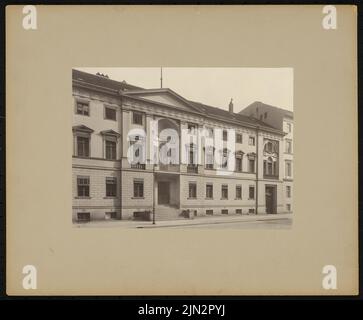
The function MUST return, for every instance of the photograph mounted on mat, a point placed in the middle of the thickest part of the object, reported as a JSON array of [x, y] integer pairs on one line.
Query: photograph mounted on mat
[[183, 154], [181, 150]]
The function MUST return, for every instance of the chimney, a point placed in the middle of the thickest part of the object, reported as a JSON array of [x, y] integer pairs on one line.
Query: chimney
[[231, 106]]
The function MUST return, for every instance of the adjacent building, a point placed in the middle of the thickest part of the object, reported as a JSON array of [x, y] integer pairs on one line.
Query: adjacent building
[[283, 120], [139, 152]]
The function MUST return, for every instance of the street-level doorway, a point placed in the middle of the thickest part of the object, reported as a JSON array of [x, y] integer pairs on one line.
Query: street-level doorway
[[163, 192], [271, 203]]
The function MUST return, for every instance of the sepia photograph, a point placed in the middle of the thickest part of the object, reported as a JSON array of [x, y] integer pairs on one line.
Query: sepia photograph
[[187, 151], [182, 147]]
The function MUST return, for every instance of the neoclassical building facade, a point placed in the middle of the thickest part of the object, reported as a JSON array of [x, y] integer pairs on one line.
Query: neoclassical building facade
[[141, 152]]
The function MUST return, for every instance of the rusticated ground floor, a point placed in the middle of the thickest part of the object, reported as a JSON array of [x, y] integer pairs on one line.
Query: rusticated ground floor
[[111, 194]]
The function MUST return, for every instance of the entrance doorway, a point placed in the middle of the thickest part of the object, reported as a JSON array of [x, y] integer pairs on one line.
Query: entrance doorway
[[163, 192], [271, 203]]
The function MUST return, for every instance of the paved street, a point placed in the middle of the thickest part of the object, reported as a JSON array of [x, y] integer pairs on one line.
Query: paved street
[[276, 221], [284, 223]]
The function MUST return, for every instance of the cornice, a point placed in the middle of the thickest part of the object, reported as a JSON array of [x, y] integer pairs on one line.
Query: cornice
[[121, 94]]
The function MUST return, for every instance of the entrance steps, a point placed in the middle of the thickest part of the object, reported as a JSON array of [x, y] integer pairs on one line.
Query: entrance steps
[[165, 212]]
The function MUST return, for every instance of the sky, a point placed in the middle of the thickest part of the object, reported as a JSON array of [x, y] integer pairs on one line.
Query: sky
[[214, 86]]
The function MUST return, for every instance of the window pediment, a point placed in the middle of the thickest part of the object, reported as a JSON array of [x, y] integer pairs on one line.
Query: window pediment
[[82, 128], [110, 133], [251, 155], [239, 154]]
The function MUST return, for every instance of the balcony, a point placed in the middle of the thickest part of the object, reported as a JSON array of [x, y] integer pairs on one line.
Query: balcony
[[192, 168], [169, 167], [140, 166], [271, 176]]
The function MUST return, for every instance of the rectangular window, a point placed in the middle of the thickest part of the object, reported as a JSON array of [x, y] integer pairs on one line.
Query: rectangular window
[[192, 190], [224, 191], [111, 186], [209, 212], [82, 146], [288, 168], [110, 113], [137, 118], [238, 211], [225, 159], [82, 108], [224, 211], [238, 138], [82, 186], [141, 215], [251, 141], [265, 115], [238, 192], [288, 191], [288, 146], [110, 215], [110, 150], [238, 164], [83, 216], [251, 193], [191, 156], [209, 160], [288, 127], [138, 188], [209, 191], [251, 210], [251, 165], [288, 207], [225, 135]]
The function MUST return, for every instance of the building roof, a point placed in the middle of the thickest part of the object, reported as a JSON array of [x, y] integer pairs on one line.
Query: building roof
[[130, 90], [221, 113], [255, 104], [102, 81]]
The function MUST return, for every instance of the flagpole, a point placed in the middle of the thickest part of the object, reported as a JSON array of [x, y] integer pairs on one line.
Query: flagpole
[[161, 77]]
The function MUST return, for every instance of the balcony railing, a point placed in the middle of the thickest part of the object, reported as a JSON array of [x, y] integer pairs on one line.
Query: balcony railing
[[138, 166], [271, 176], [169, 167], [192, 168]]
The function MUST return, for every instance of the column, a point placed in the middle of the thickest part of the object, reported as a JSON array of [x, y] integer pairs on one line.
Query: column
[[183, 143], [259, 153], [150, 136], [126, 118], [201, 157], [281, 160]]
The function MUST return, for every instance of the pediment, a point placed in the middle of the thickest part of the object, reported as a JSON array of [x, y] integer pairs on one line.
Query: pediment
[[110, 133], [165, 97], [82, 128]]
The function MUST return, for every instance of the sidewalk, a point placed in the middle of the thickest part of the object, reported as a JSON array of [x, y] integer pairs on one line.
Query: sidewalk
[[182, 222]]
